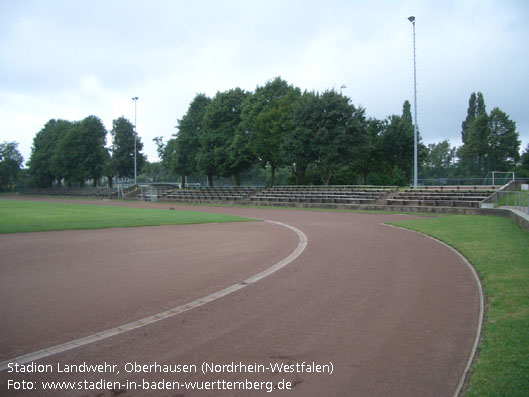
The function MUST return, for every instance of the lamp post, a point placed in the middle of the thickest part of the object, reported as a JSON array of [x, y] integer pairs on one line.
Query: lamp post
[[342, 87], [135, 99], [412, 20]]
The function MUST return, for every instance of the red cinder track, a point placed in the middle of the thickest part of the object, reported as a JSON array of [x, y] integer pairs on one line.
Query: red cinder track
[[393, 312]]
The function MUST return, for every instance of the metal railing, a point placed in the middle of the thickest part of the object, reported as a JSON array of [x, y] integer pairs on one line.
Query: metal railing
[[511, 199]]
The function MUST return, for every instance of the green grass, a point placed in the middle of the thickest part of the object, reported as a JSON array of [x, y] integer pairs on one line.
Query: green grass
[[508, 199], [499, 250], [32, 216]]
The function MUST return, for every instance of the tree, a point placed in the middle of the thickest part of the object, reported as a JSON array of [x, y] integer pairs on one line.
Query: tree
[[474, 150], [480, 104], [369, 161], [491, 142], [439, 160], [339, 132], [265, 119], [65, 160], [180, 152], [123, 135], [109, 170], [471, 152], [166, 153], [525, 158], [45, 144], [504, 145], [296, 148], [476, 107], [524, 162], [93, 135], [397, 146], [80, 153], [397, 149], [10, 163], [217, 136], [406, 113]]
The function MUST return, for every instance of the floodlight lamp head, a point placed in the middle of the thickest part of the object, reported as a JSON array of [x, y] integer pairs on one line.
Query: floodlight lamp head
[[135, 98], [411, 19]]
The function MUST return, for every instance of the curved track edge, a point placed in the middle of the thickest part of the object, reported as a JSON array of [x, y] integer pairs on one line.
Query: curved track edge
[[24, 359], [477, 336]]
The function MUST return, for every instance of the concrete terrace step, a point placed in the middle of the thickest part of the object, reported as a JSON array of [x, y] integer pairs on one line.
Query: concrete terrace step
[[299, 199], [434, 203]]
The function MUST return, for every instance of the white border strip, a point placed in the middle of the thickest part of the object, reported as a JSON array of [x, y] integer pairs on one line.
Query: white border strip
[[169, 313], [481, 306]]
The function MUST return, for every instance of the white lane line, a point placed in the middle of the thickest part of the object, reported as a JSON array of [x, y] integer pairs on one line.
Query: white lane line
[[481, 308], [302, 244]]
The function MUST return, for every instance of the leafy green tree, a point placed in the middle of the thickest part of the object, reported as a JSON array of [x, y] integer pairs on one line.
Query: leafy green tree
[[491, 142], [109, 169], [123, 148], [524, 162], [80, 154], [525, 158], [406, 113], [476, 107], [396, 145], [504, 145], [480, 105], [471, 116], [167, 153], [160, 146], [180, 153], [10, 165], [241, 156], [369, 161], [339, 133], [45, 144], [296, 147], [219, 152], [422, 150], [266, 120], [65, 160], [439, 160], [473, 152]]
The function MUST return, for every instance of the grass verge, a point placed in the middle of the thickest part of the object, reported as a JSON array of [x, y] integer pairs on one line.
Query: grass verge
[[35, 216], [499, 250], [508, 198]]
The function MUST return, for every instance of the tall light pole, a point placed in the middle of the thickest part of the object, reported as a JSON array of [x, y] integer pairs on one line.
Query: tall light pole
[[412, 20], [135, 99]]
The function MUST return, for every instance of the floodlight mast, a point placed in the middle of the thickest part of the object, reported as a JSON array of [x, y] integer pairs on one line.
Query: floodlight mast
[[412, 20], [135, 99]]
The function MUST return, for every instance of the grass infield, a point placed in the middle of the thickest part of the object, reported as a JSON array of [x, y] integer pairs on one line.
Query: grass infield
[[35, 216], [499, 250]]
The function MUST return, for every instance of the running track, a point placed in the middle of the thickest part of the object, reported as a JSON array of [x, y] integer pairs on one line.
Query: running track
[[393, 311]]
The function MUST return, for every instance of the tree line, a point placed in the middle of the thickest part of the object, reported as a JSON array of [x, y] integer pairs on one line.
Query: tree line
[[75, 152], [322, 138], [307, 137]]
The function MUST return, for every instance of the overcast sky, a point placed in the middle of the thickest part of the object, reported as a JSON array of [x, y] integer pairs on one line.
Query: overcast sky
[[71, 59]]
